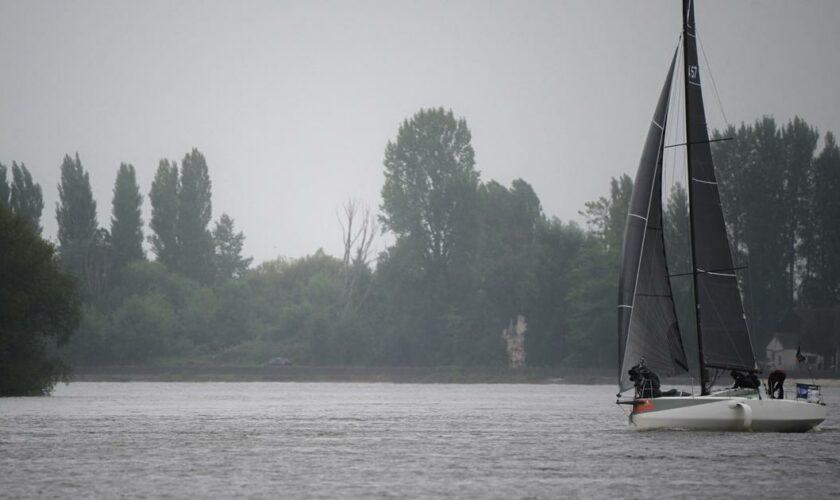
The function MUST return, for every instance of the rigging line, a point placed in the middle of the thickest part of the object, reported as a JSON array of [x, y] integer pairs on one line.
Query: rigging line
[[700, 142], [701, 181], [717, 375], [674, 111], [752, 293], [679, 129], [712, 76], [712, 271], [679, 159]]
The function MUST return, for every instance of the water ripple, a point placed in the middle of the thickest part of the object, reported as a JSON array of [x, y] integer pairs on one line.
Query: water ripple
[[264, 440]]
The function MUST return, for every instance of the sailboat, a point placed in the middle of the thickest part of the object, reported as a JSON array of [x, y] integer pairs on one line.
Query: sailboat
[[649, 333]]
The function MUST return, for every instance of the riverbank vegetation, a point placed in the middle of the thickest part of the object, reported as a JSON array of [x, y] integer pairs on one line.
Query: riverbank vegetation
[[40, 308], [469, 256]]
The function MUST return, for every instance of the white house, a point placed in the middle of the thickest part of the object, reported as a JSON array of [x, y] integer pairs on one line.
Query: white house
[[781, 353]]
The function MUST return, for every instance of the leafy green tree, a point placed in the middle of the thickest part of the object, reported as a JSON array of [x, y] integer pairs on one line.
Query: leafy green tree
[[229, 261], [430, 183], [91, 343], [298, 304], [591, 339], [194, 213], [40, 309], [821, 283], [606, 216], [677, 237], [559, 257], [80, 241], [4, 185], [429, 201], [235, 321], [142, 328], [504, 266], [126, 220], [678, 250], [731, 157], [76, 210], [98, 264], [800, 143], [763, 176], [164, 223], [25, 197], [765, 227]]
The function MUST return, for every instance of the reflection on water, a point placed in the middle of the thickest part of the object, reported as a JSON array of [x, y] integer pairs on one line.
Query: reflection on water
[[385, 440]]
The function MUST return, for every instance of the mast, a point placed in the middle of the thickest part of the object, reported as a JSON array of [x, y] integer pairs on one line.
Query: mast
[[689, 75]]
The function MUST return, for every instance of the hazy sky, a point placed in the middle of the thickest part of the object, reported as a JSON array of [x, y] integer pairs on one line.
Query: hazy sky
[[292, 103]]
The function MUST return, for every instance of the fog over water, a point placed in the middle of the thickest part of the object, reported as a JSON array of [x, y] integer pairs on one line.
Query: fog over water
[[293, 102]]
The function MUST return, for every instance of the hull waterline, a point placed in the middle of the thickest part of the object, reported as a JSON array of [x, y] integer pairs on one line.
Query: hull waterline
[[727, 414]]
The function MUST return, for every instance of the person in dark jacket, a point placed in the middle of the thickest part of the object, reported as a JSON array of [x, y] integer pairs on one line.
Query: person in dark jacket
[[775, 383], [645, 381], [745, 380]]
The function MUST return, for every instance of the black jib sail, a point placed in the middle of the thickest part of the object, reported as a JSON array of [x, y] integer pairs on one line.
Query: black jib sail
[[647, 322], [721, 324]]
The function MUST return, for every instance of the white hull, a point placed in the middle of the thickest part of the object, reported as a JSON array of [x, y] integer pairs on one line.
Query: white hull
[[715, 413]]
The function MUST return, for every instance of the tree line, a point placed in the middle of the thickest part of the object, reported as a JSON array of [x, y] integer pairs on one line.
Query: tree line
[[780, 193], [469, 257]]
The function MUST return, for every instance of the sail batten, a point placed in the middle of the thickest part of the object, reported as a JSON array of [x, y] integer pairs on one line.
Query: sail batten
[[647, 324]]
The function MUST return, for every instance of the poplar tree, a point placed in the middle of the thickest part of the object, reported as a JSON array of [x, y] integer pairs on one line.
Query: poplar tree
[[164, 223], [194, 214], [800, 143], [26, 198], [126, 220], [228, 243], [76, 214]]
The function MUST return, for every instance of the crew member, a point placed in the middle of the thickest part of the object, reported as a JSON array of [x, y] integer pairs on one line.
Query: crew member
[[745, 380], [775, 382]]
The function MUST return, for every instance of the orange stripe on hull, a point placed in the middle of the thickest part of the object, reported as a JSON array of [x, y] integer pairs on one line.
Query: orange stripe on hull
[[643, 406]]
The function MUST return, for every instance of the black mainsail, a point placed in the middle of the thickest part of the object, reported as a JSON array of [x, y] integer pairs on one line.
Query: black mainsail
[[723, 338], [647, 321]]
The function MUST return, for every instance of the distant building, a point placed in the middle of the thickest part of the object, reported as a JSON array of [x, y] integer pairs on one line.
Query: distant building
[[813, 330], [781, 353]]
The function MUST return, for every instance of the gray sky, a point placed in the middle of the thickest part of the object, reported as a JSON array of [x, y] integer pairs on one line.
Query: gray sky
[[293, 102]]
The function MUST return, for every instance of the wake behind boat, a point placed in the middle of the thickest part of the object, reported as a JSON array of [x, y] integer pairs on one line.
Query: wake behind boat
[[650, 340]]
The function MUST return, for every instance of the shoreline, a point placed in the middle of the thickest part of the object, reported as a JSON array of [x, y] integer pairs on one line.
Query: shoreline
[[348, 374], [354, 374]]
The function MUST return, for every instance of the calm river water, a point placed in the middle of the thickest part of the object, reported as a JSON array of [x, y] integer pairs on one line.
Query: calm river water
[[386, 440]]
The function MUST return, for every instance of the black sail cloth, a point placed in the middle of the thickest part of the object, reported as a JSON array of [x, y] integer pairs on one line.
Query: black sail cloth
[[722, 324], [647, 322]]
